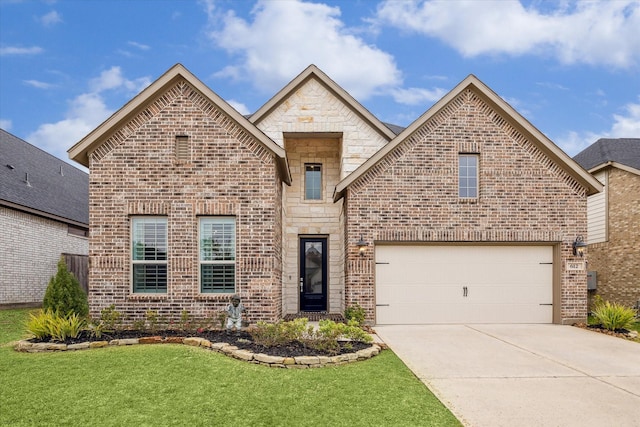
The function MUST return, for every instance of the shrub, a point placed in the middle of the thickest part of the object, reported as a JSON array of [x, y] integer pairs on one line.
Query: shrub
[[111, 318], [355, 312], [39, 323], [280, 333], [64, 295], [48, 324], [614, 316]]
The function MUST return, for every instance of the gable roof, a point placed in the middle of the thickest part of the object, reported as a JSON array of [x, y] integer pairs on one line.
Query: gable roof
[[80, 151], [34, 181], [313, 72], [623, 153], [496, 102]]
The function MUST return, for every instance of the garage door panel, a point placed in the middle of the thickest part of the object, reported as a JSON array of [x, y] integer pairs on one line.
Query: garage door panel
[[464, 284]]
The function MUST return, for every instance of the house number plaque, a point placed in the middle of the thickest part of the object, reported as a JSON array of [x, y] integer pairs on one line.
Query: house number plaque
[[575, 266]]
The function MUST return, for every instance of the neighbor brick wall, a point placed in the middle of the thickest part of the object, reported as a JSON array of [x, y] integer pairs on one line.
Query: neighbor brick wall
[[412, 196], [617, 261], [30, 248], [135, 172]]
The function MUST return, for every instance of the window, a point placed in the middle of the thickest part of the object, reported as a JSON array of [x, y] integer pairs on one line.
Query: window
[[312, 181], [468, 176], [149, 254], [218, 255]]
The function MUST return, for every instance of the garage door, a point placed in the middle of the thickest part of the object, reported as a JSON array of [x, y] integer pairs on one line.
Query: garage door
[[464, 284]]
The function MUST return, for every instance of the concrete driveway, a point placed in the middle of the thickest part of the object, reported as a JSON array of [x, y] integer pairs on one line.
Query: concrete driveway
[[524, 375]]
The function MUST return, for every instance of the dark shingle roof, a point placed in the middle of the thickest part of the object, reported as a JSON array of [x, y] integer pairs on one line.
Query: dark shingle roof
[[625, 151], [64, 195], [394, 128]]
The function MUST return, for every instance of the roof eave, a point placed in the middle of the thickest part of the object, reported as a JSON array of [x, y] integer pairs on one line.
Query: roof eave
[[617, 165]]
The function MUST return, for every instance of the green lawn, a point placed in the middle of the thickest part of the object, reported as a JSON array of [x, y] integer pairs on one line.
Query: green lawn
[[160, 385]]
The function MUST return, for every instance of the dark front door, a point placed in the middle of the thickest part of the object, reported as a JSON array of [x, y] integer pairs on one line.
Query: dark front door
[[313, 274]]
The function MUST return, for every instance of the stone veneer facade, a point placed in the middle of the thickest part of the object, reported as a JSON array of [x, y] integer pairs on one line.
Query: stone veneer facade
[[136, 173], [412, 196], [30, 249], [617, 261]]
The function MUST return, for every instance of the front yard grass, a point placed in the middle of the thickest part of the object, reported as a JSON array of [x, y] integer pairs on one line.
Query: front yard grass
[[181, 385]]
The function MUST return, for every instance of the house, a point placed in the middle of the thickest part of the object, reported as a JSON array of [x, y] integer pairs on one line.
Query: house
[[613, 218], [312, 204], [44, 213]]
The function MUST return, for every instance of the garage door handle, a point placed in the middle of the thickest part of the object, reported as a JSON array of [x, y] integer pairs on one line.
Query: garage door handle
[[383, 305], [546, 304], [465, 291]]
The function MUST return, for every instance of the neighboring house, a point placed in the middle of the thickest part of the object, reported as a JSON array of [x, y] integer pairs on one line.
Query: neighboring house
[[44, 213], [613, 227], [312, 204]]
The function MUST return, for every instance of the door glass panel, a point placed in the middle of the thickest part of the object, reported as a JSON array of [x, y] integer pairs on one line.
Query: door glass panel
[[313, 267]]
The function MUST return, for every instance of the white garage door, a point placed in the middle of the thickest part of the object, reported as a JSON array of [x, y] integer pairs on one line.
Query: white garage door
[[464, 284]]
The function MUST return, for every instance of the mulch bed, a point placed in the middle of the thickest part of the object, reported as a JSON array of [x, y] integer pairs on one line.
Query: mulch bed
[[241, 340]]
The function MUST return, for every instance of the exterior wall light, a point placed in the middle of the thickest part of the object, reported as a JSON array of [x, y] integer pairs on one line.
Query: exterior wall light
[[578, 246], [362, 245]]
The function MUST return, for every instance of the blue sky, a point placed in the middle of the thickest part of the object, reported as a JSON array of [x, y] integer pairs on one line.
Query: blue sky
[[571, 68]]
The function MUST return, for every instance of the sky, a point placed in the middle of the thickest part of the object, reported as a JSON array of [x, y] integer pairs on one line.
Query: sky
[[571, 68]]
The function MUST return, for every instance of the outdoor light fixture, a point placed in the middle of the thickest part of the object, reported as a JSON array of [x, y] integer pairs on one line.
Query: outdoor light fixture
[[362, 245], [578, 246]]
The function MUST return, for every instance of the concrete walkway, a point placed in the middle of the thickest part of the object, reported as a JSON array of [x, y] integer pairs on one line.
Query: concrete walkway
[[524, 375]]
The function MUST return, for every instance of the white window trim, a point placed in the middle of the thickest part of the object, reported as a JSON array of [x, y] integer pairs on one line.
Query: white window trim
[[138, 262], [218, 262], [477, 157]]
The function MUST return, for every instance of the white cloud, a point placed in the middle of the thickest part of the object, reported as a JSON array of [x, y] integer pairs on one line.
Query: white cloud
[[417, 96], [239, 106], [593, 32], [284, 37], [139, 45], [625, 125], [85, 112], [50, 19], [113, 79], [5, 124], [16, 50], [38, 84]]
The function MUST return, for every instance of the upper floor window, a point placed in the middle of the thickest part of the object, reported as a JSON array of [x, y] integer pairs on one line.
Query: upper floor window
[[149, 254], [217, 254], [312, 181], [468, 176]]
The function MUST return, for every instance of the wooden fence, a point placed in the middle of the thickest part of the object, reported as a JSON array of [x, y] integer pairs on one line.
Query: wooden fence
[[79, 266]]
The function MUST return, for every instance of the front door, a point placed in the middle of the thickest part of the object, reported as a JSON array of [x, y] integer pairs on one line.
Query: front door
[[313, 274]]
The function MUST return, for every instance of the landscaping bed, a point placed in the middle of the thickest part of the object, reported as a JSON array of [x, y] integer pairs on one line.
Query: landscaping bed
[[241, 340]]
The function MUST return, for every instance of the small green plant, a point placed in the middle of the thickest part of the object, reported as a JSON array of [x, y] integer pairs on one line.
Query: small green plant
[[140, 325], [221, 317], [64, 295], [614, 316], [185, 320], [280, 333], [152, 320], [111, 318], [355, 312]]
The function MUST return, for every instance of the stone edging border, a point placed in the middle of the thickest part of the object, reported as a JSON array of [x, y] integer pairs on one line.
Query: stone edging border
[[300, 362]]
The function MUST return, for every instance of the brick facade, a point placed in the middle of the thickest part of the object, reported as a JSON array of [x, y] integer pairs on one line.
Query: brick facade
[[617, 261], [30, 249], [136, 172], [412, 196], [409, 194]]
